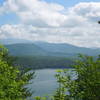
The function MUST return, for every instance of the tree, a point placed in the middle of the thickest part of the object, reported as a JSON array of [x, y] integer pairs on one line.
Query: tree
[[86, 82], [12, 80]]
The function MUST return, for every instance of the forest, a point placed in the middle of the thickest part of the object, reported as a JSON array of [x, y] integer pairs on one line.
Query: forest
[[41, 62]]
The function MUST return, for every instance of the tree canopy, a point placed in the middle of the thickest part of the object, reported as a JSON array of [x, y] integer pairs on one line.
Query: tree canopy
[[12, 80]]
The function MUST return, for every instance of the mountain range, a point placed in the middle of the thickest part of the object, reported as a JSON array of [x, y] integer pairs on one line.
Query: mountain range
[[49, 49], [39, 55]]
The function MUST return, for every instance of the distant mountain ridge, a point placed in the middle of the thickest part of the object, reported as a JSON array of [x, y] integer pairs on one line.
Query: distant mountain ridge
[[13, 41], [40, 55], [49, 49], [67, 48], [25, 49]]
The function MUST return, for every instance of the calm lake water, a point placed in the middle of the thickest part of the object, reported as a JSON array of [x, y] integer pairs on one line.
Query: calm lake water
[[44, 82]]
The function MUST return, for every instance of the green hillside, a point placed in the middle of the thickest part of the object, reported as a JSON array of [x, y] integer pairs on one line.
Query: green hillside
[[25, 49], [40, 62]]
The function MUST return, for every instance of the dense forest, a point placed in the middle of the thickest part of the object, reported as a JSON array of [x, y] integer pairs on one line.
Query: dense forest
[[40, 62]]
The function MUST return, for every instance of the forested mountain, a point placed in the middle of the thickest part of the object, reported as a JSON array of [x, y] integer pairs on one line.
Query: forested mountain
[[25, 49], [40, 62], [67, 48], [13, 41], [32, 49], [49, 49], [36, 57], [47, 55]]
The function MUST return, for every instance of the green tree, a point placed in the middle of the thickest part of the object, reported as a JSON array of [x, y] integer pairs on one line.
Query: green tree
[[86, 82], [61, 90], [12, 80]]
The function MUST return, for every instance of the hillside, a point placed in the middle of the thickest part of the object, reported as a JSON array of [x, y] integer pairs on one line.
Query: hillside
[[47, 55], [25, 49], [40, 62], [32, 49], [49, 49], [67, 48]]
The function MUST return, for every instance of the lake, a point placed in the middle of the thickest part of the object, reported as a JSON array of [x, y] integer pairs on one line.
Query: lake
[[44, 82]]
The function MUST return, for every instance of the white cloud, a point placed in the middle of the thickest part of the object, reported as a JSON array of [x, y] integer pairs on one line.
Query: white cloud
[[77, 35], [36, 12], [89, 10], [53, 23], [16, 31]]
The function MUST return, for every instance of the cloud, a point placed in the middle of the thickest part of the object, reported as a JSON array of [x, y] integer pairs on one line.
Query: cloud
[[88, 10], [77, 35], [43, 14], [37, 12], [53, 23]]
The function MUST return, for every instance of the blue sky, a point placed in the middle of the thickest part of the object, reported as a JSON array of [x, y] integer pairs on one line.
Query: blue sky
[[68, 3], [9, 18], [1, 1]]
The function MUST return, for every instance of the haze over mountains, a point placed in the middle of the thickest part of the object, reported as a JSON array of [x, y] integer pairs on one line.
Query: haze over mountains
[[27, 48], [13, 41]]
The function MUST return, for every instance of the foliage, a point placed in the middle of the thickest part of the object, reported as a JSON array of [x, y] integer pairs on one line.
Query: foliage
[[88, 82], [44, 98], [12, 80], [60, 92]]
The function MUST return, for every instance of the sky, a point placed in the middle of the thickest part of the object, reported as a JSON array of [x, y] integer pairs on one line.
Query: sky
[[54, 21]]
